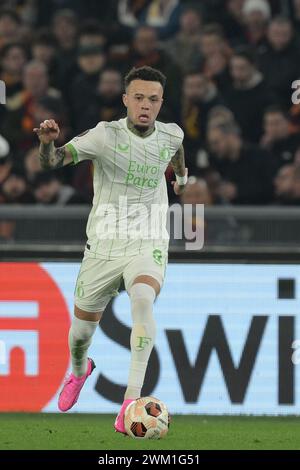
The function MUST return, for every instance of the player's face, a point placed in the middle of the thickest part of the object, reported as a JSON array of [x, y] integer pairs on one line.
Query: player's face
[[143, 101]]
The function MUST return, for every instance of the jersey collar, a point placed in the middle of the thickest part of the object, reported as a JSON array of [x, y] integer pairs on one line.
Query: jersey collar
[[136, 137]]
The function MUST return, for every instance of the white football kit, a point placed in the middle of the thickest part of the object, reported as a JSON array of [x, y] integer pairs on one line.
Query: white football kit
[[126, 229]]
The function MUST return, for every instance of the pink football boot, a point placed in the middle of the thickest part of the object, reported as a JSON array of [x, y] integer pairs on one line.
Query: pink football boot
[[119, 423], [72, 388]]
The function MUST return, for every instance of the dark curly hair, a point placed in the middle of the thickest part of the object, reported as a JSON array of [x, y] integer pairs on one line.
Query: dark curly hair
[[146, 73]]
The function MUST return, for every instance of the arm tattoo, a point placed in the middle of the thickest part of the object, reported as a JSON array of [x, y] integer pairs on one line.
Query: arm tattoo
[[178, 162], [51, 157]]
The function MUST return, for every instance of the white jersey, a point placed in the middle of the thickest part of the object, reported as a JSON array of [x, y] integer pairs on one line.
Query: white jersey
[[130, 202]]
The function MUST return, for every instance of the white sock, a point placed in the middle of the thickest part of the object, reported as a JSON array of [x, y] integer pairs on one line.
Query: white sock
[[142, 336], [80, 338]]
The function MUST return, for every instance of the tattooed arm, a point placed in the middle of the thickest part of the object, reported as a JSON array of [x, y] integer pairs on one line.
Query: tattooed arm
[[51, 157], [178, 165]]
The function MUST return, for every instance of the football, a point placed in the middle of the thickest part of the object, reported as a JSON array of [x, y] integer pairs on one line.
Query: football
[[147, 418]]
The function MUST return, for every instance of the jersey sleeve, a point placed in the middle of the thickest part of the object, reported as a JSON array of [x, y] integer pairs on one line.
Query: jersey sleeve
[[89, 145], [179, 133]]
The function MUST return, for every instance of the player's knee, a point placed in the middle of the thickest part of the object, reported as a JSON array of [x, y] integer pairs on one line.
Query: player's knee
[[82, 330], [142, 296], [87, 316], [149, 280]]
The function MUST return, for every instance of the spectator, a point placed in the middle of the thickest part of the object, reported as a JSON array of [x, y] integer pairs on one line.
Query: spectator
[[219, 115], [277, 138], [232, 22], [18, 120], [32, 164], [213, 180], [107, 104], [199, 96], [244, 168], [48, 189], [256, 14], [213, 40], [44, 48], [196, 192], [247, 96], [192, 222], [10, 24], [106, 10], [15, 189], [216, 68], [130, 14], [36, 81], [13, 59], [221, 88], [163, 15], [279, 60], [214, 55], [91, 37], [145, 50], [65, 30], [184, 46], [283, 184], [92, 33], [215, 231], [91, 60]]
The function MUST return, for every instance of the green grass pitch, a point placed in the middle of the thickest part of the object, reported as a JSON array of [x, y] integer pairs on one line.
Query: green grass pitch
[[74, 431]]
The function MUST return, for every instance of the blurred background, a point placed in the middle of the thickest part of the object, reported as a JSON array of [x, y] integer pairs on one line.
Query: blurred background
[[230, 67]]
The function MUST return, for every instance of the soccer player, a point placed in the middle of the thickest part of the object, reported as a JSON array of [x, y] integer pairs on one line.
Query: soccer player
[[130, 157]]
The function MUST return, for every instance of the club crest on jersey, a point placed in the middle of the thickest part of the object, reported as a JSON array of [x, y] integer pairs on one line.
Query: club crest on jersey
[[164, 154], [123, 147]]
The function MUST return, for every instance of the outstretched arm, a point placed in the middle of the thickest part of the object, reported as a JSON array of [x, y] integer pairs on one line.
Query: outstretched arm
[[51, 157], [178, 165]]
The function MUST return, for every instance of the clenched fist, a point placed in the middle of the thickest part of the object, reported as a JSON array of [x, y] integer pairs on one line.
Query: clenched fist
[[178, 190], [48, 131]]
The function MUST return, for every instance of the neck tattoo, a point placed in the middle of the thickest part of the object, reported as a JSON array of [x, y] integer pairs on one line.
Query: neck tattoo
[[139, 130]]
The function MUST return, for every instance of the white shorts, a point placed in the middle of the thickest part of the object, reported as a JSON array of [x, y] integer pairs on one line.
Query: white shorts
[[99, 280]]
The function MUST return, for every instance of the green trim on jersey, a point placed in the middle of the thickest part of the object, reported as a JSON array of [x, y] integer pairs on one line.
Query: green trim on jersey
[[73, 153]]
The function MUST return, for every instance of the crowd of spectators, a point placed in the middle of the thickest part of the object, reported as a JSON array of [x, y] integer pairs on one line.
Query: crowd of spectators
[[230, 66]]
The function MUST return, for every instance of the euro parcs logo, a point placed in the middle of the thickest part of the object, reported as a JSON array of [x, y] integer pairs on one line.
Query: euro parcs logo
[[34, 324]]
